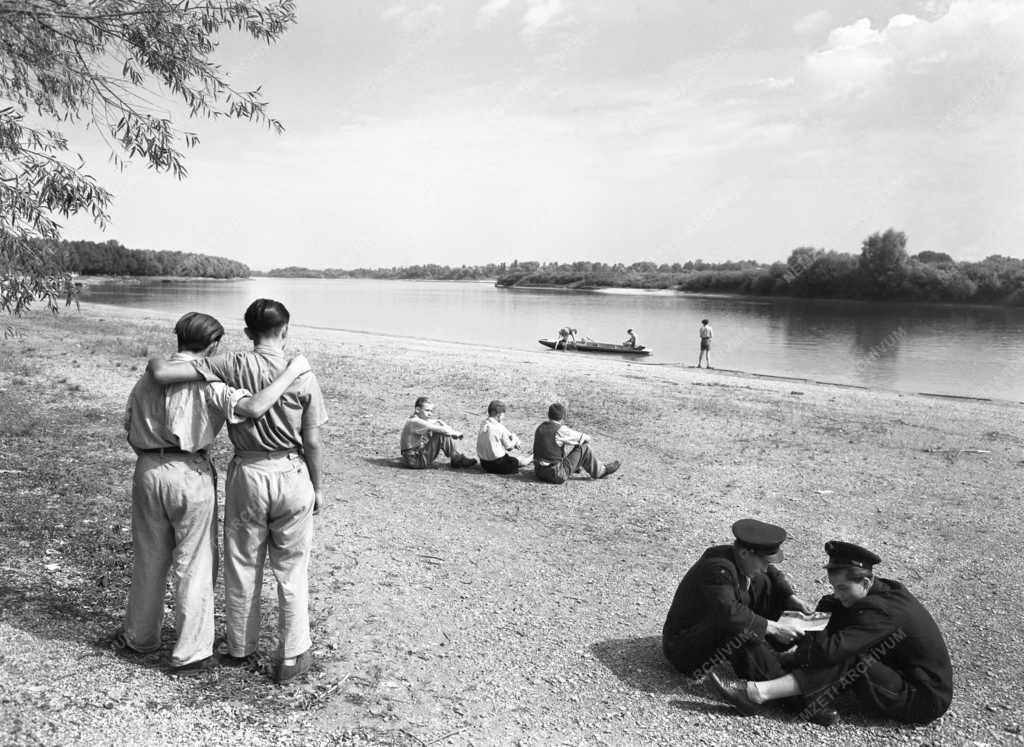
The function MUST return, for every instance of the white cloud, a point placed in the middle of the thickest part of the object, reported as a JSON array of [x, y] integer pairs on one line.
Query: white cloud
[[490, 10], [775, 84], [812, 22], [859, 59], [545, 14]]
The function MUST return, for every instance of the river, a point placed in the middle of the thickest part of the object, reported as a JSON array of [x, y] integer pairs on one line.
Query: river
[[972, 351]]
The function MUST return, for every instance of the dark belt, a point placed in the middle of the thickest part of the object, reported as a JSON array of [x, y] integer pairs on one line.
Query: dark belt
[[172, 450]]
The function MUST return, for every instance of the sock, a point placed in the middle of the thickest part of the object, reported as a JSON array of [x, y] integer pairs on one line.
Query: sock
[[754, 692], [288, 662]]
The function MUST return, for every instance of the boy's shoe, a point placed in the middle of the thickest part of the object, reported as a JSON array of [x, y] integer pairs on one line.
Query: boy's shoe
[[249, 661], [732, 691], [611, 467], [463, 461], [196, 667], [299, 668], [120, 646]]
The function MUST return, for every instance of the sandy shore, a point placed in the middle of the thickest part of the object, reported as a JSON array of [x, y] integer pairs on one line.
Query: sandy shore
[[455, 607]]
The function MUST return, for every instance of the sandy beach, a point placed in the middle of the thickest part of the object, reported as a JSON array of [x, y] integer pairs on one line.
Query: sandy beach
[[457, 607]]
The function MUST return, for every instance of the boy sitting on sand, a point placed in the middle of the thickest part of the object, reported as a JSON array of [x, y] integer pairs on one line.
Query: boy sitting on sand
[[424, 437]]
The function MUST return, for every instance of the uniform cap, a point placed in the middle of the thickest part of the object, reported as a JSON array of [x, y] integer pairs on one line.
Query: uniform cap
[[764, 539], [849, 555]]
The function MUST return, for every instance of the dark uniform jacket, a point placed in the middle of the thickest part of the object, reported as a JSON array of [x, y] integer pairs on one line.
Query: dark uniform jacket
[[713, 611], [891, 627]]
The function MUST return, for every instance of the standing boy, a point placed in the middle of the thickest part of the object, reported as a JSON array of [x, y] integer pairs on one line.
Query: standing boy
[[705, 343], [174, 496], [273, 490]]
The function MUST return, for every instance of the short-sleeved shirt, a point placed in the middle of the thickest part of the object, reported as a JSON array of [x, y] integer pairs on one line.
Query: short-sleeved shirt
[[186, 416], [300, 408], [494, 440]]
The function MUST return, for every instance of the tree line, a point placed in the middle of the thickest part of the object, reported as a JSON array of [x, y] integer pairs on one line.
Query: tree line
[[882, 271], [111, 258], [411, 272]]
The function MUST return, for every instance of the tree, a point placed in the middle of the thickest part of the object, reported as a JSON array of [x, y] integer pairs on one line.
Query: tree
[[883, 260], [99, 63]]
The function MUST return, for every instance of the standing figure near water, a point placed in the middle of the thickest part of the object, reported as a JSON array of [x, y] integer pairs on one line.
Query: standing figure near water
[[705, 342]]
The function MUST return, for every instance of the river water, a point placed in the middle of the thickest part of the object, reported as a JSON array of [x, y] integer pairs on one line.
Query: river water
[[971, 351]]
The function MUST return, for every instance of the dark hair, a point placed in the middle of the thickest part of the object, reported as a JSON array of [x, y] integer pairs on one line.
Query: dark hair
[[265, 316], [704, 321], [556, 411], [496, 407], [197, 331], [420, 401], [853, 574]]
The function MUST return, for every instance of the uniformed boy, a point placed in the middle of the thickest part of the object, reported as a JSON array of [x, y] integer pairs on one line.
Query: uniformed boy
[[880, 643], [727, 607], [174, 501]]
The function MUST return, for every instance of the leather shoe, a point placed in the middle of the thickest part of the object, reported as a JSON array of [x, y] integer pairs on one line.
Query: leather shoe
[[463, 462], [732, 691], [196, 667], [291, 671], [249, 661], [611, 467], [826, 716]]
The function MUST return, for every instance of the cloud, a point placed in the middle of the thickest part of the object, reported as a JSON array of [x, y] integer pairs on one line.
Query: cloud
[[859, 59], [543, 15], [812, 22], [412, 15], [490, 10], [775, 84]]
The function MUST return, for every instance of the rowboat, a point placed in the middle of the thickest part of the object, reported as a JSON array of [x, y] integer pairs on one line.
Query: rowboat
[[598, 347]]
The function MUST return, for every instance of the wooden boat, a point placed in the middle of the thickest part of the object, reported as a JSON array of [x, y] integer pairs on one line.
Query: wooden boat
[[598, 347]]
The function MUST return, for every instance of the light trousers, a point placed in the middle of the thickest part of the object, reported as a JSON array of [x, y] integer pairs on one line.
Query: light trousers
[[174, 528], [268, 517]]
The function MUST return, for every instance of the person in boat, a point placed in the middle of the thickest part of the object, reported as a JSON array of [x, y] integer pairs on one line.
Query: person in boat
[[566, 336], [727, 607], [495, 444], [630, 341], [880, 643], [705, 343], [559, 451], [424, 437]]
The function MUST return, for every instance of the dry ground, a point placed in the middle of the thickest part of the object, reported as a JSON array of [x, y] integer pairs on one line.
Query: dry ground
[[455, 607]]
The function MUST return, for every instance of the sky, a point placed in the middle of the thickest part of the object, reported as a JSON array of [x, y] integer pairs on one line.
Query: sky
[[458, 132]]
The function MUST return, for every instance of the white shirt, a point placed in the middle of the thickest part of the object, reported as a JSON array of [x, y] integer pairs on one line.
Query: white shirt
[[494, 440]]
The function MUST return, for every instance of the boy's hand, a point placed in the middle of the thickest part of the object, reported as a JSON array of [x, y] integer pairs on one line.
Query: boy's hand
[[299, 365]]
